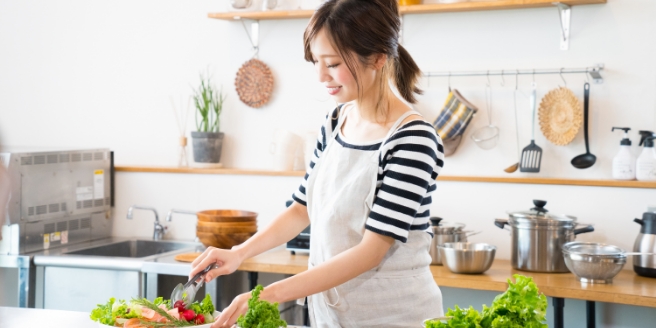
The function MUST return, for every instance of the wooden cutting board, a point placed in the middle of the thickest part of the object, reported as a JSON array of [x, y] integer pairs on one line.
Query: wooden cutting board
[[187, 257]]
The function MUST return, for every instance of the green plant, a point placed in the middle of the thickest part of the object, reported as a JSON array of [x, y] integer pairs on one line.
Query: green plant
[[209, 104]]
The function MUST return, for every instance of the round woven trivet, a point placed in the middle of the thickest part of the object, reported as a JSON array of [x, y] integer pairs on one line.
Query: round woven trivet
[[560, 116], [254, 83]]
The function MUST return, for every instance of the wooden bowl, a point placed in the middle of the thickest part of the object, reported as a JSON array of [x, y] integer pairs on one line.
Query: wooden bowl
[[226, 230], [227, 224], [225, 241], [226, 216]]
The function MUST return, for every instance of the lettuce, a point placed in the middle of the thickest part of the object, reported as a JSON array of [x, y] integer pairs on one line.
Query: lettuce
[[520, 306], [260, 314]]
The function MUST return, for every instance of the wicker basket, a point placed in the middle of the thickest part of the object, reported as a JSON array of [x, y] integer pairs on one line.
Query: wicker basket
[[560, 116]]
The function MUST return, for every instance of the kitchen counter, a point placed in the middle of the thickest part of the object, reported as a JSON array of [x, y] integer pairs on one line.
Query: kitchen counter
[[627, 287], [11, 317]]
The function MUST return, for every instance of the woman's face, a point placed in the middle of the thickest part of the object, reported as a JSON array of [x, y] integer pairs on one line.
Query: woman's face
[[333, 72]]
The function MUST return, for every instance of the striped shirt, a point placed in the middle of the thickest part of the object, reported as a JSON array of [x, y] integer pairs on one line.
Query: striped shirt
[[410, 161]]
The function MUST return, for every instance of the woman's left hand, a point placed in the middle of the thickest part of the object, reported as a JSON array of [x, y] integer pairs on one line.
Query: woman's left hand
[[230, 314]]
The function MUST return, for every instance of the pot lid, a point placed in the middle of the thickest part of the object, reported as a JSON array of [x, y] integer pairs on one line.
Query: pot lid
[[541, 216]]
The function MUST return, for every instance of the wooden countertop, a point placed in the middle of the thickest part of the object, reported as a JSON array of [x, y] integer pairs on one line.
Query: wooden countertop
[[627, 287]]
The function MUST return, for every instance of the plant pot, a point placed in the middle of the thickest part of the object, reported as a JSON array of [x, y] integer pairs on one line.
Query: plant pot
[[207, 146]]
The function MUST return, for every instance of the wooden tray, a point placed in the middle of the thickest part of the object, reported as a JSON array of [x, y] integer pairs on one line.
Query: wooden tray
[[187, 257]]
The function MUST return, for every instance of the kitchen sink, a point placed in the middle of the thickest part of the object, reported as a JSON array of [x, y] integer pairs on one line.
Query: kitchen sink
[[132, 248]]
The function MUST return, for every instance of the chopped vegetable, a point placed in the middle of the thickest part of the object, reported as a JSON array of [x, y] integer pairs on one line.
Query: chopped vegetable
[[521, 305], [158, 313], [260, 314]]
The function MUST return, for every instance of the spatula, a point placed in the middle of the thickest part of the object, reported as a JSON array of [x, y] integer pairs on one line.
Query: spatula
[[532, 154]]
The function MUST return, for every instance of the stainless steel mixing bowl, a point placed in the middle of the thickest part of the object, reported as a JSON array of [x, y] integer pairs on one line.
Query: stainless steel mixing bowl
[[594, 263], [467, 257]]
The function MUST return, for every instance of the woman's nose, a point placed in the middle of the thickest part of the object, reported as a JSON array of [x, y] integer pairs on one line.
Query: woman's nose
[[322, 73]]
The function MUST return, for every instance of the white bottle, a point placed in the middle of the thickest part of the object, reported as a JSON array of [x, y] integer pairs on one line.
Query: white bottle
[[646, 164], [624, 163]]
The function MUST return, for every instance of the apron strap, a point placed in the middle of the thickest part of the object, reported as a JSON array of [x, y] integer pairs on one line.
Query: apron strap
[[343, 111], [396, 124]]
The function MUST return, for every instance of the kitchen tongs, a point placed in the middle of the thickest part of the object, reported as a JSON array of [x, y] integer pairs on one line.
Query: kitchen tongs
[[187, 292]]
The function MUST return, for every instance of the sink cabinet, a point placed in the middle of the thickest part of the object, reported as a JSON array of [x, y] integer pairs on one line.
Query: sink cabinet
[[81, 289]]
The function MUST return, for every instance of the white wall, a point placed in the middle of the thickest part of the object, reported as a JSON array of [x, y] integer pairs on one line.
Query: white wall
[[100, 74]]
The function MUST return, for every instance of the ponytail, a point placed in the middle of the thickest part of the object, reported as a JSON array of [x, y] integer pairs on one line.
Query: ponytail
[[406, 75]]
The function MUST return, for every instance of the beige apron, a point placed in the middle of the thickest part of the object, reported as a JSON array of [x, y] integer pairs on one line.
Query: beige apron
[[400, 292]]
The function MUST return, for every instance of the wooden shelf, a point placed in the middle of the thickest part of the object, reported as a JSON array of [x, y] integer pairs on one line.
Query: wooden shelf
[[544, 181], [416, 9], [627, 287]]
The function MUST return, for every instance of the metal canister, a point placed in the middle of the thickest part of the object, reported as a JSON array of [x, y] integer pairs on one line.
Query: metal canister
[[538, 237]]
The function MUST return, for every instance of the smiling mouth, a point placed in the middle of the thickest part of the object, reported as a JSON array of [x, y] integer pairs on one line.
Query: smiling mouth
[[334, 90]]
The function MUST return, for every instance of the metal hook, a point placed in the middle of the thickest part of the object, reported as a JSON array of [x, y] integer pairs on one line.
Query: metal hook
[[516, 79], [449, 80], [488, 78], [561, 75], [587, 75], [503, 80], [534, 75]]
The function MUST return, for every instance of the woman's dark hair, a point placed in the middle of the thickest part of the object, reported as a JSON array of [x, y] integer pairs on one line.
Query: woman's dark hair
[[365, 28]]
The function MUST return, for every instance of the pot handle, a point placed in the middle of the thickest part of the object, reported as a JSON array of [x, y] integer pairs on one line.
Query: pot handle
[[588, 228], [501, 223], [471, 233]]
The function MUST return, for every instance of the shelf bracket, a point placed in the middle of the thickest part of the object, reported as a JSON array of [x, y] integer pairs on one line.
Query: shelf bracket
[[253, 35], [564, 13]]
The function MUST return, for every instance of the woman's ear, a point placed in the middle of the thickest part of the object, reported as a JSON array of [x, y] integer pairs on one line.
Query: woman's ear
[[379, 61]]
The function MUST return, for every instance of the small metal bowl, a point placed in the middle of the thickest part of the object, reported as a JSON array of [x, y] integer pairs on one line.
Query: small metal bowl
[[467, 257], [594, 263]]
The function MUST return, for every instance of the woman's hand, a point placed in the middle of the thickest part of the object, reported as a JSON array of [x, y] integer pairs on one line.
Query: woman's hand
[[230, 314], [227, 260]]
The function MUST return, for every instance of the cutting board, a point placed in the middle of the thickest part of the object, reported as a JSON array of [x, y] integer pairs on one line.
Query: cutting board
[[186, 257]]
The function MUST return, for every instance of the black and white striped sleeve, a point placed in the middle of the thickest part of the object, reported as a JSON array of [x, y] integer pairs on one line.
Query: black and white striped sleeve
[[322, 138], [411, 160]]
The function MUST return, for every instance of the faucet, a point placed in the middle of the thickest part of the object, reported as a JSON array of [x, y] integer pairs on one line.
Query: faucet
[[159, 230], [170, 215]]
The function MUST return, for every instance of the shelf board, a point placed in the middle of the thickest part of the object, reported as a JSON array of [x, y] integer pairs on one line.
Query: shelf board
[[523, 180], [415, 9]]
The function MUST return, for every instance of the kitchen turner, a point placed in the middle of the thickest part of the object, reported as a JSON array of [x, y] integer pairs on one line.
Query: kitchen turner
[[187, 292], [532, 154]]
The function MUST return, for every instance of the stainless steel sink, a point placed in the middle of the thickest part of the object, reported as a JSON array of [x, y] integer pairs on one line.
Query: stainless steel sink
[[132, 248]]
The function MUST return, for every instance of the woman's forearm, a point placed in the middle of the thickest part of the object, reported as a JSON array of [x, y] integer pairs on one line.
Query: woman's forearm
[[334, 272], [284, 227]]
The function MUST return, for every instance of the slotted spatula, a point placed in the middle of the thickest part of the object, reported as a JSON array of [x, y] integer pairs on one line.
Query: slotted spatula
[[532, 154]]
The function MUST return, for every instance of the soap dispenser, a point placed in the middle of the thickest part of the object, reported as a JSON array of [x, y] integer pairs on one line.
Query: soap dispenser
[[624, 163], [646, 163]]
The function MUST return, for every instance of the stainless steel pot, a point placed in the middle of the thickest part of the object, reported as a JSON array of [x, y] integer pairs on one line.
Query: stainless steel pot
[[447, 233], [538, 237]]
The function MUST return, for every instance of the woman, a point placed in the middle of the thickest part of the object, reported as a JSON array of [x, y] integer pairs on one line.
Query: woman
[[367, 192]]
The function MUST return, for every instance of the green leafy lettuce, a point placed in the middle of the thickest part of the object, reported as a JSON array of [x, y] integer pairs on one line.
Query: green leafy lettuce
[[521, 305], [260, 314]]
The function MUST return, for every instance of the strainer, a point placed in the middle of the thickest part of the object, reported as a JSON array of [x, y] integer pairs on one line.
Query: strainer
[[487, 136]]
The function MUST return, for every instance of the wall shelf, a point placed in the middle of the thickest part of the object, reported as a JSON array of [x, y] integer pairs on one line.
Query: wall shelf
[[522, 180], [415, 9]]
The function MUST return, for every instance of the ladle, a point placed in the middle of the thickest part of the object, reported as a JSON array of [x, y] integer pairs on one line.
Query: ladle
[[586, 160], [514, 167]]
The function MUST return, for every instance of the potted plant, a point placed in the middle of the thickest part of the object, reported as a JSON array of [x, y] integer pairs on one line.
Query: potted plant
[[207, 140]]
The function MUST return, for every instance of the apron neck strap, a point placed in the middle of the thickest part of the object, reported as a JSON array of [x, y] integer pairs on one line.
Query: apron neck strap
[[398, 122]]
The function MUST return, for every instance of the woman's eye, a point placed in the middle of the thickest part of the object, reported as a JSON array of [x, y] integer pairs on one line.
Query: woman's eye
[[332, 66]]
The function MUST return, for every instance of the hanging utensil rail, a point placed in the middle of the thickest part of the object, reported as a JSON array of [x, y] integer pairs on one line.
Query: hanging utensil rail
[[594, 72]]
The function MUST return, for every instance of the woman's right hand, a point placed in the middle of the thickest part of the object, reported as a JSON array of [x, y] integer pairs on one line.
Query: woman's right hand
[[228, 260]]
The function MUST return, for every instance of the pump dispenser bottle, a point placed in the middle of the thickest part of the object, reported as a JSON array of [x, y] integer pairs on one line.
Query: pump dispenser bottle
[[624, 163], [646, 163]]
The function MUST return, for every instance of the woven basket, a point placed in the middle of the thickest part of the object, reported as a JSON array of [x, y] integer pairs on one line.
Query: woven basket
[[560, 116], [254, 83]]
